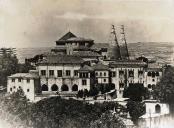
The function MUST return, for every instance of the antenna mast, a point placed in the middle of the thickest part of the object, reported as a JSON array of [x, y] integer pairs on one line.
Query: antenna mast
[[116, 41], [124, 40]]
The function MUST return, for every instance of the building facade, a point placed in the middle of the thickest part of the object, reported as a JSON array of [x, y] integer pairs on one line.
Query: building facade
[[73, 65]]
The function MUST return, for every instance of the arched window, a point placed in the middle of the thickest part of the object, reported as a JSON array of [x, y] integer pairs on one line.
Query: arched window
[[149, 86], [64, 88], [157, 73], [74, 87], [153, 74], [149, 73], [44, 87], [158, 108], [54, 87]]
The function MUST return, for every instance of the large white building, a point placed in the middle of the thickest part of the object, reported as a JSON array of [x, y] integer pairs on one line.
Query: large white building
[[73, 65]]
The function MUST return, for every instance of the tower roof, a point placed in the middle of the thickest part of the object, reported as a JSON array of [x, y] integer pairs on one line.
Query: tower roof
[[67, 36]]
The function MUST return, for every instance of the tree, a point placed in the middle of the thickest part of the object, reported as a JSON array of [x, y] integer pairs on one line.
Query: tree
[[80, 94], [164, 90], [108, 120], [135, 92], [93, 91], [135, 109], [86, 93]]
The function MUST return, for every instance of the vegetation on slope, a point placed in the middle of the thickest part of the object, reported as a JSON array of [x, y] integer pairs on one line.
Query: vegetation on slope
[[56, 112]]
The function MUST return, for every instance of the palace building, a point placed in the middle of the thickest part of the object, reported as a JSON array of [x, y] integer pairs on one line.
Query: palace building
[[77, 64]]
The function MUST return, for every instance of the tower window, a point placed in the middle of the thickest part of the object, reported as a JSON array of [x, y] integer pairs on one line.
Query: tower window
[[68, 73], [28, 80], [59, 73], [75, 73], [13, 80], [43, 72], [83, 82], [19, 79], [51, 72]]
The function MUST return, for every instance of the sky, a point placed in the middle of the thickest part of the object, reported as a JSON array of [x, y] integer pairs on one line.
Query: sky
[[39, 23]]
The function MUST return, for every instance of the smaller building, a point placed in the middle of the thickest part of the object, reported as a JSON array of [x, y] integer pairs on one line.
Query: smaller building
[[154, 108], [152, 75], [101, 74], [85, 77], [28, 82]]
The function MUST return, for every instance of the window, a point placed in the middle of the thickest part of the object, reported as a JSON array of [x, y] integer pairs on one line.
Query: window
[[74, 87], [19, 87], [100, 73], [64, 88], [51, 72], [13, 80], [75, 73], [28, 90], [149, 74], [28, 80], [54, 87], [140, 73], [19, 79], [149, 86], [83, 82], [68, 73], [44, 87], [153, 74], [121, 72], [59, 73], [14, 87], [11, 89], [43, 72], [104, 73], [113, 74], [96, 73], [121, 85], [153, 80], [157, 73], [158, 108], [104, 80], [131, 73]]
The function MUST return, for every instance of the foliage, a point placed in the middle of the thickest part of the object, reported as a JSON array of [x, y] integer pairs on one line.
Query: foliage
[[135, 92], [9, 65], [93, 91], [108, 120], [54, 112], [135, 109], [164, 90], [80, 94]]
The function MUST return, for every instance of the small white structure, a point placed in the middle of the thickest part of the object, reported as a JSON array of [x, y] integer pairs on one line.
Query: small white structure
[[156, 116], [28, 82], [154, 108]]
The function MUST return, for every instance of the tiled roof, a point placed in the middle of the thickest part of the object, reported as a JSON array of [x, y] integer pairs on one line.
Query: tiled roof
[[100, 67], [128, 63], [78, 39], [62, 59], [86, 68], [86, 54], [67, 36], [70, 37], [24, 75]]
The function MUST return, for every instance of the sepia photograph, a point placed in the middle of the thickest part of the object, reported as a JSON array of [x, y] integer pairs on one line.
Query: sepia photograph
[[86, 64]]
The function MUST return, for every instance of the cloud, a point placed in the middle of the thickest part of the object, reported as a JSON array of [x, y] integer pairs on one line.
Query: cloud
[[72, 16]]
